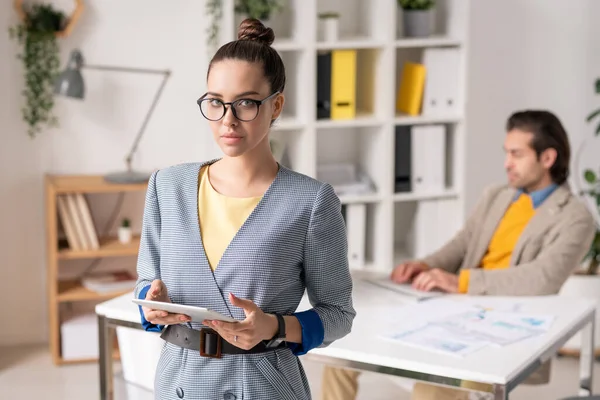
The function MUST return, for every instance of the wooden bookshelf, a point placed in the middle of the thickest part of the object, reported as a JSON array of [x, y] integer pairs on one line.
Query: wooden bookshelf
[[109, 247], [64, 292], [71, 291]]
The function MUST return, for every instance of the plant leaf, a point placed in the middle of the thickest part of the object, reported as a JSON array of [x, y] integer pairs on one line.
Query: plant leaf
[[592, 115], [598, 130], [590, 176], [598, 86]]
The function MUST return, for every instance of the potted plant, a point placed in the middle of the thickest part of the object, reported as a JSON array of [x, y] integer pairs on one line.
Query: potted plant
[[259, 9], [417, 19], [328, 26], [586, 281], [37, 34], [125, 231]]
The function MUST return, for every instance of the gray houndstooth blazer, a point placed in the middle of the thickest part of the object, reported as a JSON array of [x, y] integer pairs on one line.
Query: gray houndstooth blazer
[[295, 239]]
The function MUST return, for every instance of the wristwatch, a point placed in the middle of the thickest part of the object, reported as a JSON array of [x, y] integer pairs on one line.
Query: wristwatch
[[279, 336]]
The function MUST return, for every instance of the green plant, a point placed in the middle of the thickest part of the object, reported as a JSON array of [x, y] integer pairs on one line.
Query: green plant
[[40, 57], [416, 4], [259, 9], [593, 181], [214, 9], [125, 223], [596, 113]]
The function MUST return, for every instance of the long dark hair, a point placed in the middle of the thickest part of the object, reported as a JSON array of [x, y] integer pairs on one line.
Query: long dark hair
[[548, 132]]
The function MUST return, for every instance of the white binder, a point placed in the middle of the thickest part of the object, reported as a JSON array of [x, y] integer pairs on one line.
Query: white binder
[[356, 227], [440, 96], [428, 159]]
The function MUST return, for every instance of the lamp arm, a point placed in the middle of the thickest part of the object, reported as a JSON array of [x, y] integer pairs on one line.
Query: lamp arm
[[146, 119], [166, 74]]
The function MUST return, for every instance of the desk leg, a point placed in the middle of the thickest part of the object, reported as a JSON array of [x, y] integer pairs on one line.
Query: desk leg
[[105, 339], [500, 392], [586, 358]]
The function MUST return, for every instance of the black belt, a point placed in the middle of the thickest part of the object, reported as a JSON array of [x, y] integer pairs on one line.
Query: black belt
[[208, 342]]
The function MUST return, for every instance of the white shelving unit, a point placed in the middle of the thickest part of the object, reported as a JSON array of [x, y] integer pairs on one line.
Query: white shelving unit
[[394, 220]]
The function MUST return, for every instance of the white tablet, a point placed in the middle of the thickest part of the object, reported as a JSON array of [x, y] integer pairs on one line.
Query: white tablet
[[198, 314]]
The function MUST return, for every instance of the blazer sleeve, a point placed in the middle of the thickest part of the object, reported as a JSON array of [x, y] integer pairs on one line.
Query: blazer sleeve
[[551, 268], [327, 274], [450, 256], [148, 262]]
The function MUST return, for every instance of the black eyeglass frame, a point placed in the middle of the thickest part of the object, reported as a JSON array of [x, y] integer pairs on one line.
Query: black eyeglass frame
[[231, 104]]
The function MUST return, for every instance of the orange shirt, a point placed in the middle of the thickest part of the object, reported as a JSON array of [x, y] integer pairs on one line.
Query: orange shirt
[[505, 238]]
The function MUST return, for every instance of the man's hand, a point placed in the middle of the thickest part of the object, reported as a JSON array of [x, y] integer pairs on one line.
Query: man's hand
[[158, 292], [407, 271], [436, 279], [246, 334]]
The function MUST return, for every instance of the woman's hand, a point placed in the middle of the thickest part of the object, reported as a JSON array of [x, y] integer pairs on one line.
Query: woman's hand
[[158, 292], [246, 334]]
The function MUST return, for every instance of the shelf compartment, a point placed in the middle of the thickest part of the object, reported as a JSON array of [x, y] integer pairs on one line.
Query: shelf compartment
[[449, 19], [421, 227], [437, 92], [424, 161], [72, 290], [360, 19], [292, 149], [109, 247], [363, 147], [356, 78]]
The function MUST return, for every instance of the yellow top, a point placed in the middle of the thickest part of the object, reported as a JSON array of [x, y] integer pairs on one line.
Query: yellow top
[[505, 238], [221, 217]]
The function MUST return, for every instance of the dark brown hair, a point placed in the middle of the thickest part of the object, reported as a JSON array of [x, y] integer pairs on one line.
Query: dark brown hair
[[548, 132], [254, 45]]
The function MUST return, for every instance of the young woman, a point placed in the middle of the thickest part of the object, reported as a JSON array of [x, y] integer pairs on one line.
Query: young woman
[[243, 236]]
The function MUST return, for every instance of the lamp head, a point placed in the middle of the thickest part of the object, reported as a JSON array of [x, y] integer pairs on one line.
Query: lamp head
[[70, 82]]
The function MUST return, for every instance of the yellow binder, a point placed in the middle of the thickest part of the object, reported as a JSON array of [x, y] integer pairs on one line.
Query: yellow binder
[[343, 84], [410, 93]]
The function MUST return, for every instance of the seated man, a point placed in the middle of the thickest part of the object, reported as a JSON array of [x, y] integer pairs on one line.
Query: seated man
[[524, 238]]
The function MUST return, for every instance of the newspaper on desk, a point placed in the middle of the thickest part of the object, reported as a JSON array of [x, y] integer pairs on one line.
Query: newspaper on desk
[[463, 327]]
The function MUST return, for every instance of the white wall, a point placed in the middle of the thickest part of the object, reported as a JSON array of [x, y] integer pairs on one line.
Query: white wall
[[547, 58], [95, 134], [528, 54]]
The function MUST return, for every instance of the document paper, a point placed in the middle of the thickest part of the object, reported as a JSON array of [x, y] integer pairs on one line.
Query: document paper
[[462, 327]]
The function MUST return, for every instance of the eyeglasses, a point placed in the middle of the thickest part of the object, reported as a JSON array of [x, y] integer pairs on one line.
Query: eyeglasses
[[243, 109]]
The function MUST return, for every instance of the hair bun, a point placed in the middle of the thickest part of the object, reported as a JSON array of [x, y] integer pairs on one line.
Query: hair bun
[[253, 29]]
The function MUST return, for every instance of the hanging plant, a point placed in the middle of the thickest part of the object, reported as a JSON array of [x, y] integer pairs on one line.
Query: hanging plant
[[214, 10], [40, 57]]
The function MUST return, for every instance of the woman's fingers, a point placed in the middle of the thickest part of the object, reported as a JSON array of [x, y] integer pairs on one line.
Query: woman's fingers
[[159, 317]]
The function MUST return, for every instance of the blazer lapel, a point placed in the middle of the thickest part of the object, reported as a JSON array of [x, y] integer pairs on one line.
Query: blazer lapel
[[493, 217], [541, 220], [207, 281]]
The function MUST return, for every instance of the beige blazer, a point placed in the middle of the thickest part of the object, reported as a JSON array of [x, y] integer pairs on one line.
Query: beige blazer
[[552, 245]]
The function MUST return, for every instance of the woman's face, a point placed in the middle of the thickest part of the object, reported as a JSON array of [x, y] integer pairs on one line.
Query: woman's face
[[231, 80]]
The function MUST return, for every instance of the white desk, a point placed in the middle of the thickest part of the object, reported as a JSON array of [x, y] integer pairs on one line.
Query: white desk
[[503, 368]]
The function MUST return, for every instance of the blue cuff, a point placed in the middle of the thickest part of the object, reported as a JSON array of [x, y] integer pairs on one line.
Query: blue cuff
[[145, 324], [313, 332]]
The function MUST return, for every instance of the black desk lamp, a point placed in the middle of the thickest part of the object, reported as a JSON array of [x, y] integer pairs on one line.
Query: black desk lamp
[[70, 83]]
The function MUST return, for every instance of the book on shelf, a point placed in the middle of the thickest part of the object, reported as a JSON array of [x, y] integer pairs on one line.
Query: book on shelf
[[76, 219], [109, 281]]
